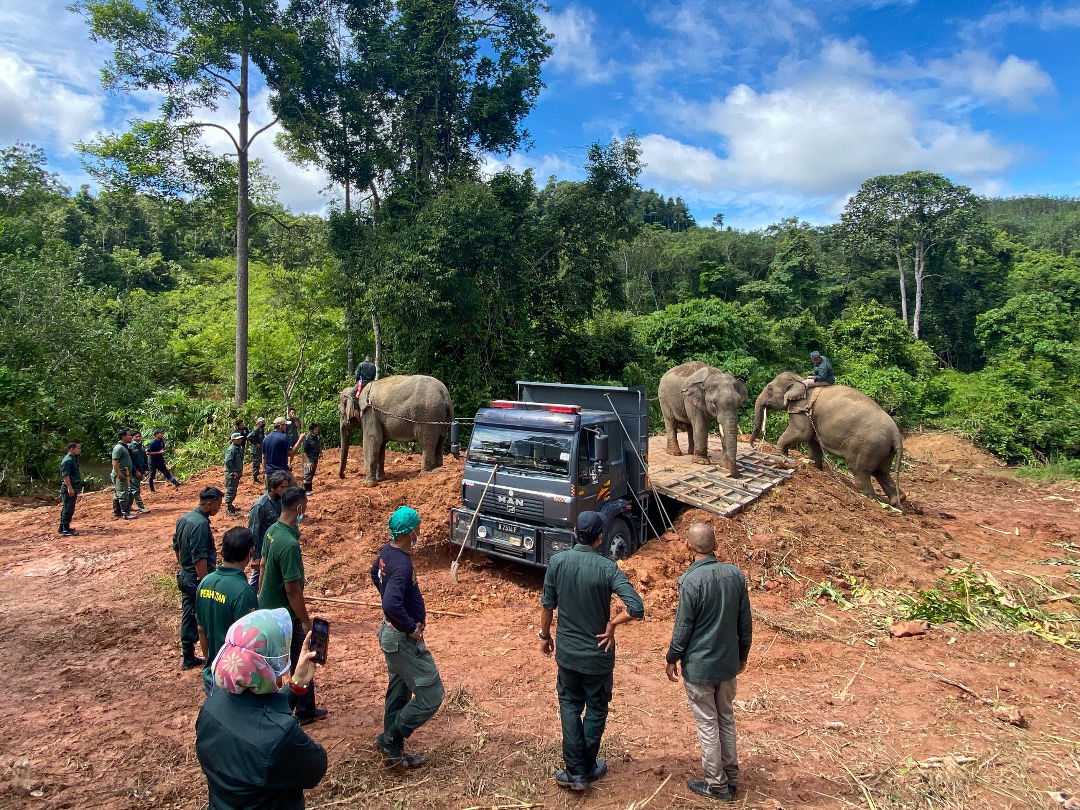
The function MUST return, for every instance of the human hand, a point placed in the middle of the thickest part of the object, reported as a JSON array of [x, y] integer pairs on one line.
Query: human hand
[[71, 492], [742, 666], [547, 646], [418, 633], [607, 638], [305, 664], [673, 672]]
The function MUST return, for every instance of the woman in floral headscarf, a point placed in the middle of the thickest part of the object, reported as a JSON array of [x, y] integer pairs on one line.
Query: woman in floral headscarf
[[251, 748]]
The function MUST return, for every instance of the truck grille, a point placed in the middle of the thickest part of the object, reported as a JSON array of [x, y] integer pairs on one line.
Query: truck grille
[[520, 506]]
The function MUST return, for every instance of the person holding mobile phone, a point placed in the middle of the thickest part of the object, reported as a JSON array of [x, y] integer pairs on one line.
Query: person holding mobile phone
[[415, 690]]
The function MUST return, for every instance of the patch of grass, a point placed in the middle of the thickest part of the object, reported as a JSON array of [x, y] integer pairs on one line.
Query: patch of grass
[[826, 590], [1056, 468], [975, 600], [165, 584]]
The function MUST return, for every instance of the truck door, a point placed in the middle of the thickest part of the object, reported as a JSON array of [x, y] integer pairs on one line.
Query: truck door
[[587, 485]]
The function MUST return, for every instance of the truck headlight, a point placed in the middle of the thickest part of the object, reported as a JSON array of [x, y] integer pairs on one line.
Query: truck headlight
[[481, 531], [529, 543]]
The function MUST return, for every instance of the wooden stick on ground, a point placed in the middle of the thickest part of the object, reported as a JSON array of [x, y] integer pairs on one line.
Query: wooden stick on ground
[[341, 601]]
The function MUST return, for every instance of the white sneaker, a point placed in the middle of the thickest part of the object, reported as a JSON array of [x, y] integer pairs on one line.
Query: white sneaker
[[143, 511]]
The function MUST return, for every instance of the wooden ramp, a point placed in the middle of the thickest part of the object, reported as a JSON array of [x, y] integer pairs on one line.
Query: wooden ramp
[[708, 487]]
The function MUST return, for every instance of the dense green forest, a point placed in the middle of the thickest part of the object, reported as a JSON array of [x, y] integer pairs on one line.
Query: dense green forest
[[178, 293]]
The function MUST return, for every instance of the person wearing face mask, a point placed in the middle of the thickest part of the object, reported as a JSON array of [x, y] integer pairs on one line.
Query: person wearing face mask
[[281, 585], [251, 749]]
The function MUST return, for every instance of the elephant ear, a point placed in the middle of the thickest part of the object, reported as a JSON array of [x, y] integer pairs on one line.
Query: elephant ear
[[694, 387], [795, 396], [365, 397]]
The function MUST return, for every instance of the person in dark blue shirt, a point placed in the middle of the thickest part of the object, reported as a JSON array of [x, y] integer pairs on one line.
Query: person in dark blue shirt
[[415, 691], [156, 451], [276, 448]]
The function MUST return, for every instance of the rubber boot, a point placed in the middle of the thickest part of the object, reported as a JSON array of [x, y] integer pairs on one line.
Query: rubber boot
[[117, 514], [191, 661]]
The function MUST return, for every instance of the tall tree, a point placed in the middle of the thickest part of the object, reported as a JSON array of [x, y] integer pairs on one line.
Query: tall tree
[[912, 216], [196, 54]]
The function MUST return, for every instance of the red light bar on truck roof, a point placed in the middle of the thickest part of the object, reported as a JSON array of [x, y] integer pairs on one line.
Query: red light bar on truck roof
[[535, 406]]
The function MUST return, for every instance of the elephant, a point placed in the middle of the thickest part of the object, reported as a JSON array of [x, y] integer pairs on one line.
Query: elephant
[[412, 407], [839, 420], [692, 396]]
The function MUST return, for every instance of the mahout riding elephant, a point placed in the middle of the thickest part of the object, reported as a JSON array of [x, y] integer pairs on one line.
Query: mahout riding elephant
[[409, 408], [692, 396], [841, 421]]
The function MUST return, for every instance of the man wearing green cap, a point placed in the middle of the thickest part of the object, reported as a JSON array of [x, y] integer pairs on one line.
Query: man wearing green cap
[[415, 691], [234, 468]]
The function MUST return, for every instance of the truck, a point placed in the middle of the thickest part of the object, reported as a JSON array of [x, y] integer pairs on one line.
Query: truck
[[538, 461]]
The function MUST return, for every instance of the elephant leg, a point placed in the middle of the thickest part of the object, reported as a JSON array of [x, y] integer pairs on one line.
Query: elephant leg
[[346, 434], [374, 443], [884, 478], [380, 471], [699, 442], [431, 443], [862, 478], [817, 456], [671, 427], [789, 438]]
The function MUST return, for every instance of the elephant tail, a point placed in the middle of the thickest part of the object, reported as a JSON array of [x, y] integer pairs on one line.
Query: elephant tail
[[898, 455]]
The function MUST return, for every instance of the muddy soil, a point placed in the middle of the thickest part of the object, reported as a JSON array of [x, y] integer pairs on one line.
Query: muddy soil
[[831, 711]]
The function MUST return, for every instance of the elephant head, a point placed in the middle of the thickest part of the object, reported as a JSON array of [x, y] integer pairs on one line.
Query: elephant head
[[786, 387], [714, 392]]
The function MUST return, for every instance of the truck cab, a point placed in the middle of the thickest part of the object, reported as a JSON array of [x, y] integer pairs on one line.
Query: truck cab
[[544, 458]]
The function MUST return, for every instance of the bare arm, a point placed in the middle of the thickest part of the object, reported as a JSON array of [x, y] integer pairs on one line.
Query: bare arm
[[204, 643], [67, 483], [201, 568], [295, 591]]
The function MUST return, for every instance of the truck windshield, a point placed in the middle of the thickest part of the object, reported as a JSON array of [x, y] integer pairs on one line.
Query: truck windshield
[[521, 449]]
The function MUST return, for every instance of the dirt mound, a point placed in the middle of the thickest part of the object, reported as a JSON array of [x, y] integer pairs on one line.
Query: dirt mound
[[948, 449]]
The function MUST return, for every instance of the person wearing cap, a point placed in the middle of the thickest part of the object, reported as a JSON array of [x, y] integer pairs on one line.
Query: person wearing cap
[[415, 690], [579, 584], [276, 447], [822, 373], [255, 440], [712, 637], [282, 583], [234, 468], [365, 372], [156, 451], [120, 475], [196, 556]]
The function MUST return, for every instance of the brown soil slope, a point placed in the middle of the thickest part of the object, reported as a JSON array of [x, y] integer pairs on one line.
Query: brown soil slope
[[831, 711]]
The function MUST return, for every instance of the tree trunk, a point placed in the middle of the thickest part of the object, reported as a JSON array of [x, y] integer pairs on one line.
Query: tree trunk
[[240, 394], [903, 286], [920, 275], [350, 357], [378, 344]]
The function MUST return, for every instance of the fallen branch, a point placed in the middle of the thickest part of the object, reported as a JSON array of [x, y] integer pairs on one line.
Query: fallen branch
[[636, 806], [999, 531], [341, 601]]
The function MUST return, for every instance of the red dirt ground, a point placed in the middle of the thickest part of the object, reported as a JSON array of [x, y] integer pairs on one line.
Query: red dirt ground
[[831, 711]]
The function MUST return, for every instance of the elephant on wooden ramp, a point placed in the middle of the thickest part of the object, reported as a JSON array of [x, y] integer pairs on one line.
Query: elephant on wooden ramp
[[692, 396], [403, 408]]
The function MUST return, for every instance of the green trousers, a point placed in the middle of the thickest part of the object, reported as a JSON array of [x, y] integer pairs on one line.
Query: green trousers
[[415, 691], [256, 462], [121, 492], [580, 692], [67, 508], [232, 480], [136, 492]]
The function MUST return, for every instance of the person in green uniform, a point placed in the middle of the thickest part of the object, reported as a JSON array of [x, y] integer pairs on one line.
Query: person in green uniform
[[712, 637], [312, 443], [282, 586], [234, 468], [264, 513], [196, 556], [224, 596], [251, 749], [255, 439], [70, 487], [120, 475], [579, 583], [140, 468]]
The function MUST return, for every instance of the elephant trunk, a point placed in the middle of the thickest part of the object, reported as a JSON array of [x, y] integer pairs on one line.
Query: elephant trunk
[[759, 417], [346, 434], [731, 441]]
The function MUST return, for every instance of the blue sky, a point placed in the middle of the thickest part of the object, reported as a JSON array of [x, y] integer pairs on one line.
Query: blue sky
[[760, 110]]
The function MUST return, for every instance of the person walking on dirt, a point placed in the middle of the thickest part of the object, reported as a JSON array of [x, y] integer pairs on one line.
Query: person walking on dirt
[[415, 690], [120, 476], [312, 451], [196, 556], [282, 586], [579, 584], [265, 513], [234, 468], [156, 452], [250, 747], [255, 440], [712, 638], [141, 468], [277, 448], [70, 487], [224, 596]]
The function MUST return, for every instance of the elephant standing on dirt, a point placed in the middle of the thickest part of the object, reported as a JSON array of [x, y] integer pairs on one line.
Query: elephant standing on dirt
[[410, 408], [839, 420], [692, 396]]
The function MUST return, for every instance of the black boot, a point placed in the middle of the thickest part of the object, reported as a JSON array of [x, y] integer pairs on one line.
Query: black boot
[[116, 513], [191, 661]]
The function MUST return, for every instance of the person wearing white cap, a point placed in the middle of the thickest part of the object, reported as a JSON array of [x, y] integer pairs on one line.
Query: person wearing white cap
[[234, 468]]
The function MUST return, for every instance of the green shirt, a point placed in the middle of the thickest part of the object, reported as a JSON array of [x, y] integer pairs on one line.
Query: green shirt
[[713, 627], [580, 582], [823, 371], [139, 460], [122, 457], [282, 562], [264, 514], [194, 541], [70, 467], [223, 597], [234, 458]]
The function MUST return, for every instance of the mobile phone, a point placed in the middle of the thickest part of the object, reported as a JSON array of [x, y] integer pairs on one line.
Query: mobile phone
[[320, 639]]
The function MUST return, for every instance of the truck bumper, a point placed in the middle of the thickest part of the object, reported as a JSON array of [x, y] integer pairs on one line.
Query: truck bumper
[[509, 539]]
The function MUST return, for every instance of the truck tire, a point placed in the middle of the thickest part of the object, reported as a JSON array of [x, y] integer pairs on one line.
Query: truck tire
[[619, 540]]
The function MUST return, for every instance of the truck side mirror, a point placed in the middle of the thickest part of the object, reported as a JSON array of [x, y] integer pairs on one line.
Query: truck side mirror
[[455, 439], [601, 446]]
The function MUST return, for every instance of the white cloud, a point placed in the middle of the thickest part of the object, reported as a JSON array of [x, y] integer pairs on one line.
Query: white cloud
[[573, 50], [1014, 81], [543, 166], [35, 106]]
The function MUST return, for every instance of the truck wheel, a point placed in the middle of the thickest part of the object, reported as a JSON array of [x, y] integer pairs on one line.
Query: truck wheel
[[619, 539]]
